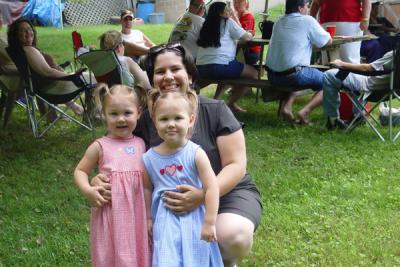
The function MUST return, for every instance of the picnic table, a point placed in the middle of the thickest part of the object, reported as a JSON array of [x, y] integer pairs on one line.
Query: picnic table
[[331, 52]]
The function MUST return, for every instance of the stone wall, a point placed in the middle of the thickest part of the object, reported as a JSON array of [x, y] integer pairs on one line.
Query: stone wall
[[173, 9]]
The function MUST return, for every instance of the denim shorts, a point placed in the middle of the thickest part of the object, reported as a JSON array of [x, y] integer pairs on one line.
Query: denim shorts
[[219, 71], [304, 76]]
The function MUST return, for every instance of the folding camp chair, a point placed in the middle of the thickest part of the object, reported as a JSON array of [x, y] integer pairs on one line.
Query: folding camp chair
[[360, 98], [10, 83], [10, 88], [34, 94], [105, 66], [76, 44]]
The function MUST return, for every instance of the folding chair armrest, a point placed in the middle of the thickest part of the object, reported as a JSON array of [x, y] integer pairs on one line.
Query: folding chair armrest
[[364, 73], [70, 77], [76, 78]]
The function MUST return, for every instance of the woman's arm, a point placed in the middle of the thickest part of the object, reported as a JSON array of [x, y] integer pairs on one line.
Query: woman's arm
[[84, 167], [38, 63], [246, 37], [232, 151], [211, 199], [140, 76]]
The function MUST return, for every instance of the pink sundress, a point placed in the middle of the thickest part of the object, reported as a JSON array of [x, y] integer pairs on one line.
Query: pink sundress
[[118, 231]]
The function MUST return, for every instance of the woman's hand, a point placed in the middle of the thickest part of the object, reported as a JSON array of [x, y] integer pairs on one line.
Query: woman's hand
[[103, 183], [184, 201], [95, 198]]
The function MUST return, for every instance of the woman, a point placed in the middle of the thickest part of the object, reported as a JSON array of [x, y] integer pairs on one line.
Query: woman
[[216, 130], [131, 72], [217, 50], [22, 40]]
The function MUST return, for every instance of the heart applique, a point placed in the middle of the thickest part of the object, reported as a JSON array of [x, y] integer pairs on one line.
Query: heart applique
[[170, 170], [162, 171], [180, 168]]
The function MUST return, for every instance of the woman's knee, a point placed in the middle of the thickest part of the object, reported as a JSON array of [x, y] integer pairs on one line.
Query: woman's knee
[[235, 235], [249, 72]]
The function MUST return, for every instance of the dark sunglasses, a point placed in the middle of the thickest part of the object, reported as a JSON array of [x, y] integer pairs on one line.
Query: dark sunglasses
[[172, 46], [128, 18]]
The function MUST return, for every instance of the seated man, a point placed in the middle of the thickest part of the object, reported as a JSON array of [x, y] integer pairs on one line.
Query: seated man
[[187, 28], [136, 42], [353, 82], [289, 55]]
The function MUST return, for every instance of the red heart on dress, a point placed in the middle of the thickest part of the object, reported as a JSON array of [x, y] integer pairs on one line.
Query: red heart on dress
[[162, 171], [180, 168]]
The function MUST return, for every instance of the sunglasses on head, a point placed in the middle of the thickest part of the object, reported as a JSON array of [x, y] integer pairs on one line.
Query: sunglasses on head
[[172, 46]]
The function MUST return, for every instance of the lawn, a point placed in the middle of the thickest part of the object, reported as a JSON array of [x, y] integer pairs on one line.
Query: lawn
[[330, 199]]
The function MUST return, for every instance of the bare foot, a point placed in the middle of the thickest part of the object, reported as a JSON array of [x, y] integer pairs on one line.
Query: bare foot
[[77, 109], [287, 116], [303, 118], [236, 108]]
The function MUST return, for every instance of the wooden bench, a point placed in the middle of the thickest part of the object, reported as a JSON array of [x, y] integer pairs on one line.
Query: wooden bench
[[269, 92]]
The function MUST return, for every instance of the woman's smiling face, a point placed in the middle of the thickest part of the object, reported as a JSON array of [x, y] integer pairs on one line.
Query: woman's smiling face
[[169, 73]]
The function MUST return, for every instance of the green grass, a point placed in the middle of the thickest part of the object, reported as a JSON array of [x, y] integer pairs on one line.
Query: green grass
[[330, 199]]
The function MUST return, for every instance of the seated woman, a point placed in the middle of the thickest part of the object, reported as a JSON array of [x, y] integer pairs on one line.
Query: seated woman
[[217, 49], [136, 42], [216, 130], [22, 40], [132, 74]]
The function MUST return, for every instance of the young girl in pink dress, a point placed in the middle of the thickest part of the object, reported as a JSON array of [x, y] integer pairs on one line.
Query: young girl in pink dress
[[118, 230]]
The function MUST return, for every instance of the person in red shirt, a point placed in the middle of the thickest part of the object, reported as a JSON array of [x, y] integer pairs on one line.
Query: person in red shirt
[[247, 21], [351, 17]]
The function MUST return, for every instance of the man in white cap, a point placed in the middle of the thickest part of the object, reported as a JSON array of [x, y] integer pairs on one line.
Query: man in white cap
[[136, 42]]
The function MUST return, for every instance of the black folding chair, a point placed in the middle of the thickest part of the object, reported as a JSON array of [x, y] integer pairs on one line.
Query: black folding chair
[[35, 96], [360, 98]]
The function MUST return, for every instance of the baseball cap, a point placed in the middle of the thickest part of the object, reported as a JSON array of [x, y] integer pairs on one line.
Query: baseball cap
[[126, 13]]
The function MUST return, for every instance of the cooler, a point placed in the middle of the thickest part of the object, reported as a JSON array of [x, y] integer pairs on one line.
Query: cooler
[[346, 107]]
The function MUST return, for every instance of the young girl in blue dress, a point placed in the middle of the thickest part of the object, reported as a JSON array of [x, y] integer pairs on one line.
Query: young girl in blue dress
[[188, 239]]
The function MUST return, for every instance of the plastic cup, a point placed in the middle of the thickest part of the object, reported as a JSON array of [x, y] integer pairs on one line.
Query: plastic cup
[[331, 29]]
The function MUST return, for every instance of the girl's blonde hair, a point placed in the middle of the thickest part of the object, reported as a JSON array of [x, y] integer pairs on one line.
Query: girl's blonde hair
[[110, 39], [102, 91], [154, 96], [247, 3]]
